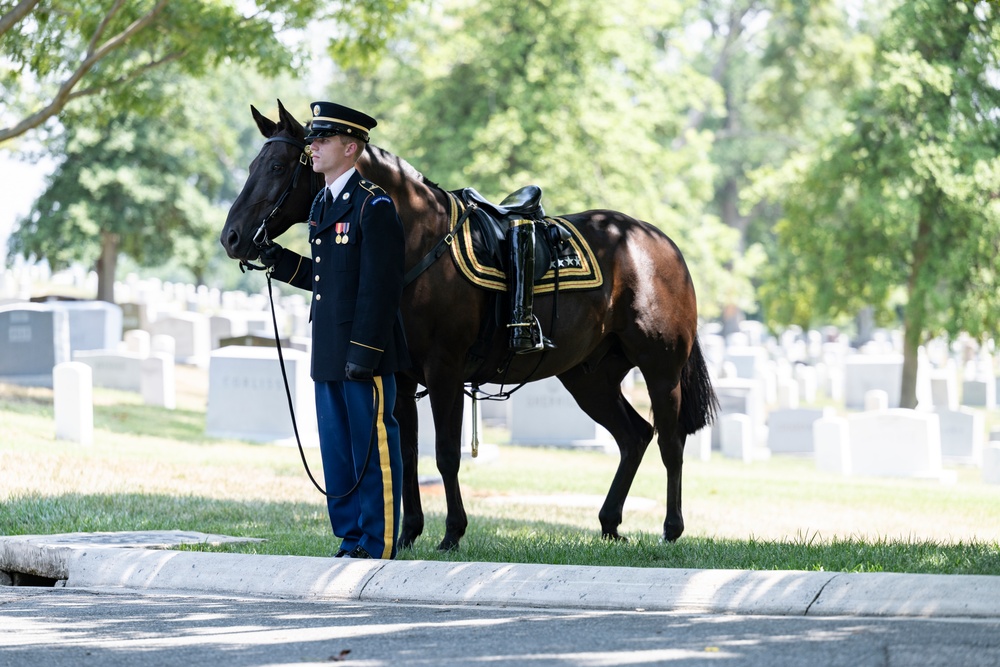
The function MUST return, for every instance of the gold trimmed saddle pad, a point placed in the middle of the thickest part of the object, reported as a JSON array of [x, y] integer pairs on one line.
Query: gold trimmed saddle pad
[[477, 259]]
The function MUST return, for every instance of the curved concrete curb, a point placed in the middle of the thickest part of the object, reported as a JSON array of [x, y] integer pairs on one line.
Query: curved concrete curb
[[608, 588], [553, 586]]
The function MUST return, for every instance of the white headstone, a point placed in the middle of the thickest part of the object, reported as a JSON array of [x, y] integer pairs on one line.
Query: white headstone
[[73, 402], [788, 393], [832, 447], [163, 343], [157, 385], [806, 377], [963, 433], [791, 431], [875, 400], [991, 464], [191, 334], [93, 325], [739, 396], [113, 370], [698, 446], [137, 342], [545, 413], [895, 443], [864, 373], [736, 437], [749, 361], [246, 395]]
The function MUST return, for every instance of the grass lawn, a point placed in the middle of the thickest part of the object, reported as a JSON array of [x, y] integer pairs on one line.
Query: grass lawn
[[151, 468]]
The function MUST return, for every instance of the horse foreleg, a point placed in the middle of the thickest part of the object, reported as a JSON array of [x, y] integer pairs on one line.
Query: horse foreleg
[[599, 395], [447, 406], [406, 414]]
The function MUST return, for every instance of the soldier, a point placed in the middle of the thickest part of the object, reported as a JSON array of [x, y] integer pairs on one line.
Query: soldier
[[355, 274]]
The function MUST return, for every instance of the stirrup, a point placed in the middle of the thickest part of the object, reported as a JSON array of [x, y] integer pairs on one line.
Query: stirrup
[[537, 343]]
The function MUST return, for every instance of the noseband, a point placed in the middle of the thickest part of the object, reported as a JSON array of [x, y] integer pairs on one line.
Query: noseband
[[260, 238]]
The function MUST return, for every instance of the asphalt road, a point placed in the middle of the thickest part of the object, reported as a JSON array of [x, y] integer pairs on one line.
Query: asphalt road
[[59, 627]]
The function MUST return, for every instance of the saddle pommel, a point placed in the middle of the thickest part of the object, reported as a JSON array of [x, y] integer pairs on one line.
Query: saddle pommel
[[525, 203]]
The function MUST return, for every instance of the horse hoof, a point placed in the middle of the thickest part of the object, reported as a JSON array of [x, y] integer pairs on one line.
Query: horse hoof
[[671, 533], [613, 536], [407, 538], [448, 543]]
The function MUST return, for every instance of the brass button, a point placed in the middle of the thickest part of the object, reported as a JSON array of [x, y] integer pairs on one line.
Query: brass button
[[319, 296], [318, 258], [318, 241], [316, 278]]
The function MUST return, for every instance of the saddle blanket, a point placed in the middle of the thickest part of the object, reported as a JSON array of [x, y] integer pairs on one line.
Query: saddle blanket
[[479, 262]]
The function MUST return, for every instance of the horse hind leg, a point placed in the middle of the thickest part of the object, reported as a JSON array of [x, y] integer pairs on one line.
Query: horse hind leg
[[599, 394], [665, 400]]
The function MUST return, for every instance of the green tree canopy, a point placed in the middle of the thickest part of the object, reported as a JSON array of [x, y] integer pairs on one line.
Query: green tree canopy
[[901, 207], [148, 186], [586, 102], [59, 51]]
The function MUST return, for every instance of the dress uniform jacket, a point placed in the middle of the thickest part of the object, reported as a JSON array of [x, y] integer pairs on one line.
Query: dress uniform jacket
[[356, 276]]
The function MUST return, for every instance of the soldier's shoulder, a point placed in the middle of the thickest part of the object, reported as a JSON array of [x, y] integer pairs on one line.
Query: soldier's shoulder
[[376, 195], [373, 188]]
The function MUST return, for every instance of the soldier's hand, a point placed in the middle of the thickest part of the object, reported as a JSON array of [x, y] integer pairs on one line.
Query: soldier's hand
[[270, 254], [358, 373]]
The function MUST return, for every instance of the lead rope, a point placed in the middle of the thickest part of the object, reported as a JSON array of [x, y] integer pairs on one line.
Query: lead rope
[[291, 408]]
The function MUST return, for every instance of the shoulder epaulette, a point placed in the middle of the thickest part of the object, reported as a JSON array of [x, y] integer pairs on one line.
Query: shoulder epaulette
[[371, 187]]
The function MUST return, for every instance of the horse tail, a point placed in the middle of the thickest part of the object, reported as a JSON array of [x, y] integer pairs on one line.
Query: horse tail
[[699, 404]]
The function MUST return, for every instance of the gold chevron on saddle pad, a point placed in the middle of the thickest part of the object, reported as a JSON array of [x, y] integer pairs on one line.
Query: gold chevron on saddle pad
[[578, 268]]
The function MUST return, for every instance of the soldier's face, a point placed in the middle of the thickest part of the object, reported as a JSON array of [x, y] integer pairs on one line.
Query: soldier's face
[[332, 157]]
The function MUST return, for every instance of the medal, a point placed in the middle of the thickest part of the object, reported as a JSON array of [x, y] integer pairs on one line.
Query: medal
[[341, 228]]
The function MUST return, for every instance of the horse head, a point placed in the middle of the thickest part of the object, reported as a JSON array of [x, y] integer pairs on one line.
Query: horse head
[[279, 190]]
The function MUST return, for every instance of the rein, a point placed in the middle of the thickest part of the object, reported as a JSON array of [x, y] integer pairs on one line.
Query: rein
[[442, 245]]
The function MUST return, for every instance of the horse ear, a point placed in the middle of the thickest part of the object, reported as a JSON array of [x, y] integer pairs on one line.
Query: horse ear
[[264, 124], [288, 121]]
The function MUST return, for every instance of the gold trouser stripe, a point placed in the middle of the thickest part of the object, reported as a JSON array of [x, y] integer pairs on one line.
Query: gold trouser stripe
[[383, 457]]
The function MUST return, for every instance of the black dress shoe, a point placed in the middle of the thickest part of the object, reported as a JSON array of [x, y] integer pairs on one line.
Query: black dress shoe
[[341, 553], [359, 552]]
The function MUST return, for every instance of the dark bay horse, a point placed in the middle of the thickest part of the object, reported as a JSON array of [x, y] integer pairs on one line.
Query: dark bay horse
[[644, 315]]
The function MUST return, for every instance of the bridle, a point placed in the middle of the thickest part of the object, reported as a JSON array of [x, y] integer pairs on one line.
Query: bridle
[[260, 238]]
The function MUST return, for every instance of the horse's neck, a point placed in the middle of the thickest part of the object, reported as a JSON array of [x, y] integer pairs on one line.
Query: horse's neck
[[418, 201]]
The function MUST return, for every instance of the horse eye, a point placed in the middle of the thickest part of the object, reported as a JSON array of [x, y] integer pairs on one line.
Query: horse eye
[[277, 167]]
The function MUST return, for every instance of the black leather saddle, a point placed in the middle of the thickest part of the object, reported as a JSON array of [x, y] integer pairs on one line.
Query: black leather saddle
[[522, 204], [489, 224]]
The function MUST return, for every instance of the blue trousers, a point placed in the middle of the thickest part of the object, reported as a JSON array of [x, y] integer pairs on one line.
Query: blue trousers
[[350, 432]]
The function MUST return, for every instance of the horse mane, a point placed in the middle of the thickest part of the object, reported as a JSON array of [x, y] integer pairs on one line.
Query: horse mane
[[386, 164]]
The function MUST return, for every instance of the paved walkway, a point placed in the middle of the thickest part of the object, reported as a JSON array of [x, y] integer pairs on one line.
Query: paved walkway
[[144, 561]]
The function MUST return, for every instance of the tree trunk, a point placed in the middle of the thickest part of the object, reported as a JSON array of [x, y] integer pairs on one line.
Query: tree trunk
[[106, 265], [914, 315], [911, 348]]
